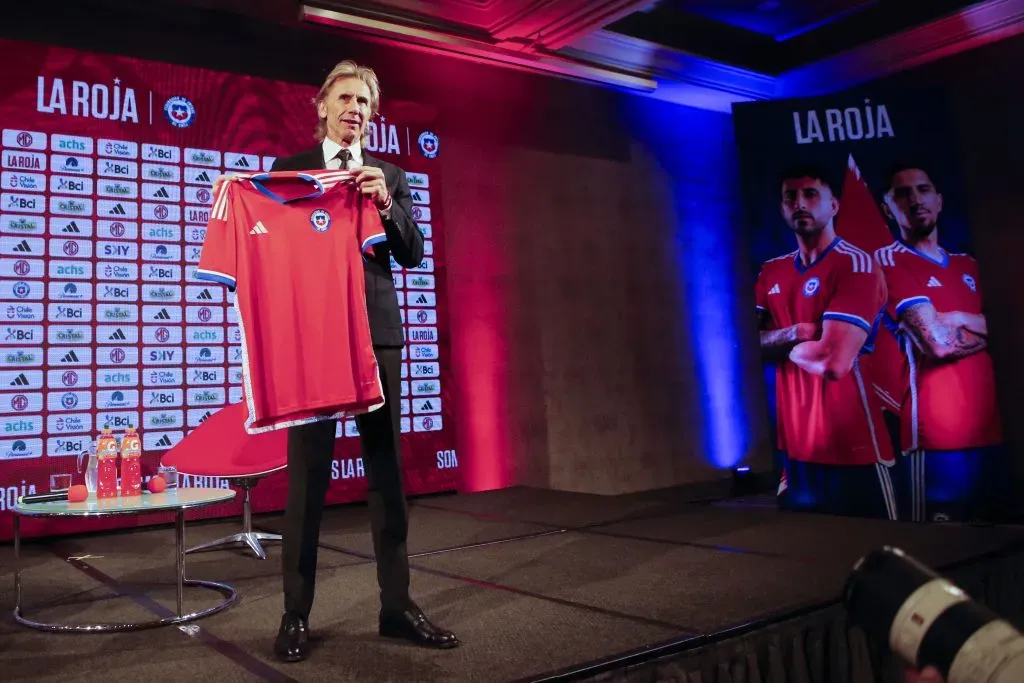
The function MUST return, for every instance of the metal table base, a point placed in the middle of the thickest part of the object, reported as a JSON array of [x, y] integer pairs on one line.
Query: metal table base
[[179, 523]]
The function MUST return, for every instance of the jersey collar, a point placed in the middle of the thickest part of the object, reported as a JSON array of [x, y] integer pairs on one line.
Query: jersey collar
[[944, 262], [257, 182], [802, 268]]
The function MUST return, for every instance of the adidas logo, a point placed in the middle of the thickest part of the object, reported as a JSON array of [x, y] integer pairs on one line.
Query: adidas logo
[[243, 162], [932, 282], [70, 357], [205, 294], [118, 210], [162, 193], [118, 335], [23, 247], [20, 381], [163, 315], [203, 177], [71, 227], [164, 441], [421, 299], [775, 289], [258, 229], [207, 415]]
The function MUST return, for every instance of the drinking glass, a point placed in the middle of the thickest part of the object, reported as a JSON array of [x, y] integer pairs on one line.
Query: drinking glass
[[170, 475], [59, 483]]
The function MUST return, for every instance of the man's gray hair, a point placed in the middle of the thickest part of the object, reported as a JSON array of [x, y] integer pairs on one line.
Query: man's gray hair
[[348, 69]]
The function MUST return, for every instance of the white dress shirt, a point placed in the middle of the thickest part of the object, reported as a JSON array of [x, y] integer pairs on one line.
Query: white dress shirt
[[331, 149]]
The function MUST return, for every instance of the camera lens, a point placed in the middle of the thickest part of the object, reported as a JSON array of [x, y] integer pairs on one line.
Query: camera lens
[[928, 621]]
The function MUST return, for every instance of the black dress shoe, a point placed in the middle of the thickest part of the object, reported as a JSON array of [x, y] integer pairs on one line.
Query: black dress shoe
[[412, 624], [292, 643]]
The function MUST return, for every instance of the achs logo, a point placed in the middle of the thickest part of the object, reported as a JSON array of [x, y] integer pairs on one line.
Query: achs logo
[[428, 144], [321, 220], [180, 112]]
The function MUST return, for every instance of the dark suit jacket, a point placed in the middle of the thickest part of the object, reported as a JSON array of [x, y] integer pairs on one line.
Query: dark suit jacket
[[405, 243]]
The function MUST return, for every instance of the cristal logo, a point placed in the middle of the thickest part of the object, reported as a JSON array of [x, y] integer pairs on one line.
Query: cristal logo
[[160, 173], [202, 158], [163, 419], [117, 188], [19, 357], [69, 336], [22, 225]]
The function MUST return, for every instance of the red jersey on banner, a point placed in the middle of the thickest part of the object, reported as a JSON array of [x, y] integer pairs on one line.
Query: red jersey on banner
[[861, 223], [292, 243], [948, 405], [827, 422]]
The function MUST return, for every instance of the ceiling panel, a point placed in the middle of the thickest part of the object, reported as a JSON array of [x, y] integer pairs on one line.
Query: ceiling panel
[[779, 19]]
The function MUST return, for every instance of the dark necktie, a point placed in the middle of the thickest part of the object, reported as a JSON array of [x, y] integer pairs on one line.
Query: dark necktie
[[344, 155]]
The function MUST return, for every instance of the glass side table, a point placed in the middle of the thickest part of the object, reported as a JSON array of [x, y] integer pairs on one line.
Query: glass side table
[[172, 500]]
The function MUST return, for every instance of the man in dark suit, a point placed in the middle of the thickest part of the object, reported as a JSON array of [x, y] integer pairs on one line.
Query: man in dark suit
[[348, 99]]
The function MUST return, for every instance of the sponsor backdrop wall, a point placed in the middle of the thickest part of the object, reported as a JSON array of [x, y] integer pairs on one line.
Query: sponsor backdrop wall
[[107, 166], [930, 397]]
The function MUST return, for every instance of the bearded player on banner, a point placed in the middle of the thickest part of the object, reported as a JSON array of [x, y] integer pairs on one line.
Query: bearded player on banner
[[348, 99], [818, 310], [951, 429]]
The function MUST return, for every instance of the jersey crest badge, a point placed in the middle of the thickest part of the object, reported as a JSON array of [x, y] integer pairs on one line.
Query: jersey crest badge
[[969, 281], [180, 112], [428, 143], [811, 286], [320, 219]]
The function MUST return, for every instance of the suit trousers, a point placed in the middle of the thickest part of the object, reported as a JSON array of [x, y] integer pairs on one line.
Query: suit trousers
[[310, 453]]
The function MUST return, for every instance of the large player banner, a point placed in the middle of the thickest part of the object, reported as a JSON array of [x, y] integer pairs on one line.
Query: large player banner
[[107, 167], [870, 307]]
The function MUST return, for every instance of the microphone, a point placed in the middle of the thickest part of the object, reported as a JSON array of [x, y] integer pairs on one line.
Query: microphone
[[929, 621], [42, 498]]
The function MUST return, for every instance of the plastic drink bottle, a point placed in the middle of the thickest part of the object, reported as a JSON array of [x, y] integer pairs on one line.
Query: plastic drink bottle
[[131, 463], [106, 451]]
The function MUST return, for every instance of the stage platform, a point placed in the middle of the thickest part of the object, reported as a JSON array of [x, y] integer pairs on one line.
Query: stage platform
[[539, 585]]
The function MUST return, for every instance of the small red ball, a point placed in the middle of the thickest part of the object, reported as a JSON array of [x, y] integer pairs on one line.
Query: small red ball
[[157, 484], [78, 493]]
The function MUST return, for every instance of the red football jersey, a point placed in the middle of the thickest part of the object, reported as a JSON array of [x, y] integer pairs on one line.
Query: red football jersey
[[947, 405], [291, 244], [827, 422]]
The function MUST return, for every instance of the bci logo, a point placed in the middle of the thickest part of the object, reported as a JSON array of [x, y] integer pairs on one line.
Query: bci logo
[[23, 203], [157, 398], [71, 445], [70, 185]]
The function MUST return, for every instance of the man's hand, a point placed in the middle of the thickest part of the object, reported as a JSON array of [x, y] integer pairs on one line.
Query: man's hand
[[220, 180], [370, 181], [972, 322]]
